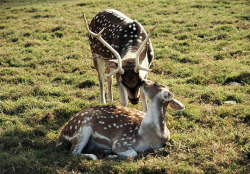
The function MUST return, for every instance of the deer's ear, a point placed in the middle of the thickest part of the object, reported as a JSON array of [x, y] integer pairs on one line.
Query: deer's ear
[[112, 63], [176, 105], [167, 95]]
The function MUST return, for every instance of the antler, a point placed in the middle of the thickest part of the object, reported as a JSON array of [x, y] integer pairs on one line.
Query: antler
[[99, 37], [137, 63]]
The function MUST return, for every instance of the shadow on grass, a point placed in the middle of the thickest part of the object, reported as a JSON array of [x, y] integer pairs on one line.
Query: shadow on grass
[[27, 151]]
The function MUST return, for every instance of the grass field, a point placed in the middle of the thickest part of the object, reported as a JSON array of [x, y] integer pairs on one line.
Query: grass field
[[47, 75]]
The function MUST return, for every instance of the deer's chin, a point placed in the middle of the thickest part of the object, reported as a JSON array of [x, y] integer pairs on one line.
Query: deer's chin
[[134, 101]]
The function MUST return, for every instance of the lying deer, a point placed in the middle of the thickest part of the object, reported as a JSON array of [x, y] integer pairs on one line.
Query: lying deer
[[122, 130], [124, 39]]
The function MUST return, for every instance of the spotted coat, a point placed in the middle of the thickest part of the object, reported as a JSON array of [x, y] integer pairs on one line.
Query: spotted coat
[[109, 121], [122, 33]]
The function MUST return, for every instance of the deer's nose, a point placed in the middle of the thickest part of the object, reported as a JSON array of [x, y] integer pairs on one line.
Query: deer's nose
[[134, 101]]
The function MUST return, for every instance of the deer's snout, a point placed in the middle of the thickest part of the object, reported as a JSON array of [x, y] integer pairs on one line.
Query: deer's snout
[[134, 101], [133, 94]]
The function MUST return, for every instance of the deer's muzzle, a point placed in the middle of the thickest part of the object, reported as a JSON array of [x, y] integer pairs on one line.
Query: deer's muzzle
[[134, 101]]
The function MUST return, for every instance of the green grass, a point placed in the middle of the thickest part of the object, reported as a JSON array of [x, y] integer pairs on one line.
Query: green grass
[[47, 75]]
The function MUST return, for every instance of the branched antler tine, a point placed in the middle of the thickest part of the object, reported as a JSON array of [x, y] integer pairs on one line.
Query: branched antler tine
[[137, 63], [85, 22], [117, 55], [99, 34], [90, 32], [154, 27]]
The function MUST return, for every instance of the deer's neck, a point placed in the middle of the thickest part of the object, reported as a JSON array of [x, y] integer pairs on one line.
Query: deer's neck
[[154, 118], [153, 132]]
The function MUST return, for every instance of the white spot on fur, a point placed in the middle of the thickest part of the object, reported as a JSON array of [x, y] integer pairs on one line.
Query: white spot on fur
[[97, 135]]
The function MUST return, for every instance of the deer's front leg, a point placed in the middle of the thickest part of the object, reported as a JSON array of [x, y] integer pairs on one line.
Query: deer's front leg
[[130, 153], [100, 67], [109, 82], [123, 152], [122, 91]]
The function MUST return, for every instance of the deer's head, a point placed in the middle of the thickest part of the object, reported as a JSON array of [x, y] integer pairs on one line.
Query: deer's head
[[130, 78], [155, 90]]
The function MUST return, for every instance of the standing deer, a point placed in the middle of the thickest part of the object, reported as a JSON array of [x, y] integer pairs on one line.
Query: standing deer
[[122, 130], [124, 39]]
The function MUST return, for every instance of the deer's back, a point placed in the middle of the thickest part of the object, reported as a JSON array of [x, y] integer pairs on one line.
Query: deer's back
[[110, 121], [121, 32]]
